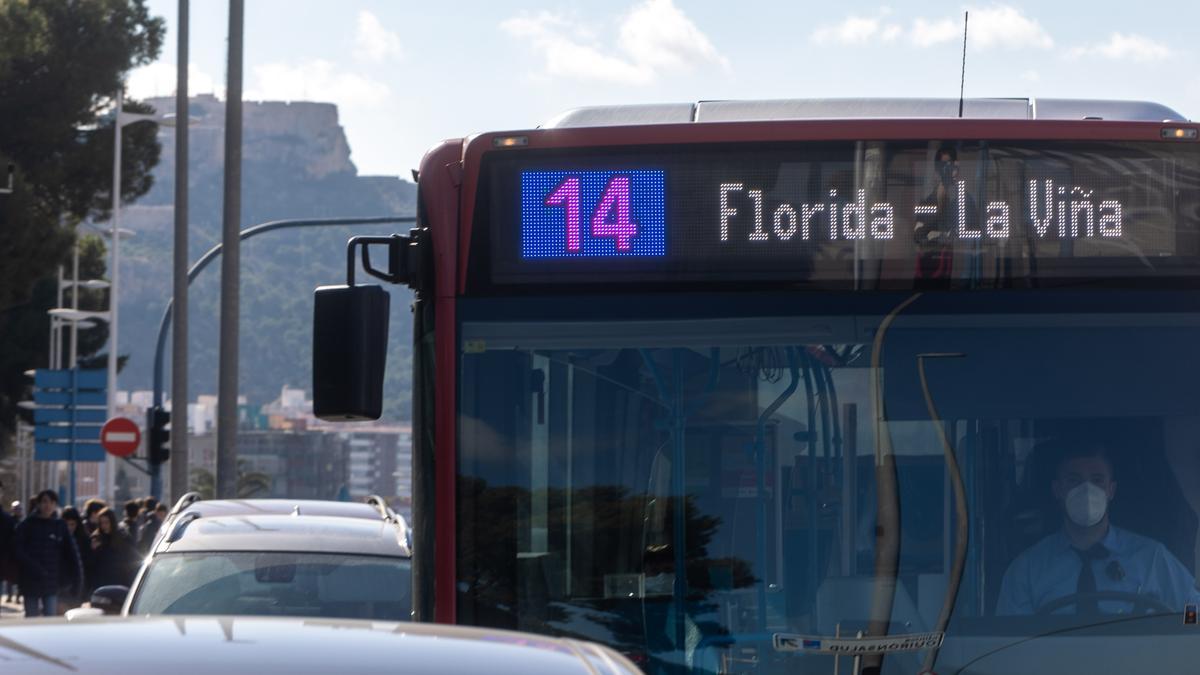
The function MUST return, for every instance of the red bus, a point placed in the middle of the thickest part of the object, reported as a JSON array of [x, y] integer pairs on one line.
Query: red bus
[[804, 386]]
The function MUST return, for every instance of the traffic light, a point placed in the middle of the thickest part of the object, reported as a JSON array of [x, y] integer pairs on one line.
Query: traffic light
[[157, 440]]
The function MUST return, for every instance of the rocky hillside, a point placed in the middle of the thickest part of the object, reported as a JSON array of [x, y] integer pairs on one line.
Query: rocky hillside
[[296, 164]]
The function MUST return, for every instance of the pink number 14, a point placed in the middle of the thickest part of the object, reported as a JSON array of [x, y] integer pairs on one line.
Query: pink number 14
[[611, 218]]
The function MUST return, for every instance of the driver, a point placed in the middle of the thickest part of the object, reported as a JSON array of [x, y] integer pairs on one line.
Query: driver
[[1088, 554]]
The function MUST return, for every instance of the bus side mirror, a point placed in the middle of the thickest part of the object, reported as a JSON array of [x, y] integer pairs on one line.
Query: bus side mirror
[[350, 337]]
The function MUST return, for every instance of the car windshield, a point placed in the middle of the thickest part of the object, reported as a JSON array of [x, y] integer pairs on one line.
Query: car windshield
[[718, 483], [331, 585]]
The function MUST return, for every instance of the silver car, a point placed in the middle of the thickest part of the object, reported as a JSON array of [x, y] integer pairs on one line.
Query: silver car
[[257, 645], [274, 557]]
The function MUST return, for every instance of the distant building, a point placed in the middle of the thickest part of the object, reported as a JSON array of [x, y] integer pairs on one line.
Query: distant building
[[381, 462], [301, 456], [299, 465]]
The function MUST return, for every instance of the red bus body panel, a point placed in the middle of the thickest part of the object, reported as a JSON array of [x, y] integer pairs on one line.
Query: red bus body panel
[[441, 178]]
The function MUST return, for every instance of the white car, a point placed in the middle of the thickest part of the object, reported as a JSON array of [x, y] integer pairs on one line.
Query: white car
[[273, 557], [184, 645]]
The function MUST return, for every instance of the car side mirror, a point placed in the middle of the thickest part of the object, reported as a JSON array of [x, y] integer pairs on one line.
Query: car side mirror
[[109, 599], [350, 337]]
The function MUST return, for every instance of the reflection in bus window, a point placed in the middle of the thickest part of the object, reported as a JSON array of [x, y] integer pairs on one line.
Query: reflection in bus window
[[684, 486]]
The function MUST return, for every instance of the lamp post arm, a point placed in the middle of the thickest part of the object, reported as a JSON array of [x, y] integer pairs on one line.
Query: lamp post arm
[[214, 252]]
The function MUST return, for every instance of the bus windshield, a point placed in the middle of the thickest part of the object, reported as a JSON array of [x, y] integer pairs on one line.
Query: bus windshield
[[715, 483]]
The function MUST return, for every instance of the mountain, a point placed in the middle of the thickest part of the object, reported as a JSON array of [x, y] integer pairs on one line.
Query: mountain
[[296, 164]]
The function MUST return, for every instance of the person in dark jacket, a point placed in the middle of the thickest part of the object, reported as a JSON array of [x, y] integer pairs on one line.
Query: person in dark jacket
[[113, 557], [91, 508], [83, 544], [130, 523], [8, 525], [150, 530], [10, 571], [47, 556]]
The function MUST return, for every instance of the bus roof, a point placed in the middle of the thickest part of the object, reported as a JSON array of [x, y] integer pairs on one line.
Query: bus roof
[[882, 108]]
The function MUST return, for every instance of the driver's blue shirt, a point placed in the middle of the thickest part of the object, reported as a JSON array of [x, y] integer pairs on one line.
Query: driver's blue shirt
[[1138, 565]]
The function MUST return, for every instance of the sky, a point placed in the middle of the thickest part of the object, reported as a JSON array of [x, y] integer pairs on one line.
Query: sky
[[406, 75]]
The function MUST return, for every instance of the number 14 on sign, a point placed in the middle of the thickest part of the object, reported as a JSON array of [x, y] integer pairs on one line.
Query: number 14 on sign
[[610, 219]]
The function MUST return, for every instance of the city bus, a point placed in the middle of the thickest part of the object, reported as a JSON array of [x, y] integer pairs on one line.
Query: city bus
[[816, 386]]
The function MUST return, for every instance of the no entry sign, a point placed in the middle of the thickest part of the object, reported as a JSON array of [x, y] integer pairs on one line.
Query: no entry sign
[[120, 436]]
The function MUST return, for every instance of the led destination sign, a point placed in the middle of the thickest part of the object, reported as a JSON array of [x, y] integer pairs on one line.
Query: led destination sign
[[1056, 212], [900, 211]]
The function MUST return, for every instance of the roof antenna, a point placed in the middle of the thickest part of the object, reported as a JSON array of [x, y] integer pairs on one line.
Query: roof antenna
[[962, 82]]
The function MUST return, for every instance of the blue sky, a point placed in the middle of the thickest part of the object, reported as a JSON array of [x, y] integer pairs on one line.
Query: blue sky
[[406, 75]]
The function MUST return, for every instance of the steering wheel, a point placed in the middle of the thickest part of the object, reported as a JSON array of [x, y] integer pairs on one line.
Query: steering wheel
[[1142, 604]]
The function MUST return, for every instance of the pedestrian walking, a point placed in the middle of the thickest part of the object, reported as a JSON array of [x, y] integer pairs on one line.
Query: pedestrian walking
[[47, 557], [83, 544], [150, 529], [146, 514], [129, 524], [9, 570], [91, 508], [113, 557], [8, 528]]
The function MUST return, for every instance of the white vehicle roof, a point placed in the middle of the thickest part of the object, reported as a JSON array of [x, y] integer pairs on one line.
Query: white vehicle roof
[[295, 525], [317, 534], [255, 645], [878, 108], [309, 507]]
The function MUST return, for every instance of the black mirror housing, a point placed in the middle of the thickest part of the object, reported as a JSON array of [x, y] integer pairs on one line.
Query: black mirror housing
[[350, 337], [109, 599]]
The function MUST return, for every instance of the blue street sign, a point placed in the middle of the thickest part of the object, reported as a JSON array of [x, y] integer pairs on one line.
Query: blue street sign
[[82, 415], [64, 398], [49, 451], [63, 433], [95, 380], [71, 406]]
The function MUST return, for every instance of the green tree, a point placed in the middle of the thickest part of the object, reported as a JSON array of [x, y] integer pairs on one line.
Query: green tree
[[61, 64]]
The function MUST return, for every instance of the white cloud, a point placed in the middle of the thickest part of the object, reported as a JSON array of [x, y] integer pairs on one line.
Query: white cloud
[[316, 80], [654, 37], [562, 45], [857, 30], [1120, 47], [990, 27], [1003, 26], [1031, 76], [926, 33], [658, 34], [373, 42], [158, 79]]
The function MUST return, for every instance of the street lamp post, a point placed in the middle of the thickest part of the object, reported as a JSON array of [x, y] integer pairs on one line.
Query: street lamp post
[[122, 119], [60, 316], [179, 336], [115, 268]]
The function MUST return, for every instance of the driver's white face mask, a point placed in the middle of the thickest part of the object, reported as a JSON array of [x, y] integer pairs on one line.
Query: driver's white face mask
[[1086, 504]]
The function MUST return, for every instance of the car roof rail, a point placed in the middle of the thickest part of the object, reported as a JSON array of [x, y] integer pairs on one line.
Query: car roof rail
[[186, 501], [178, 528], [390, 516], [385, 511]]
